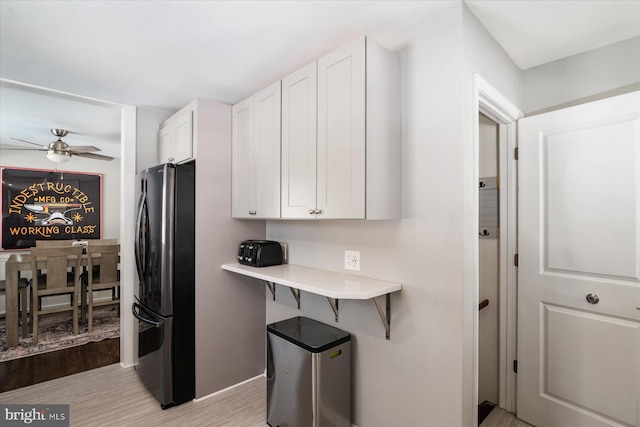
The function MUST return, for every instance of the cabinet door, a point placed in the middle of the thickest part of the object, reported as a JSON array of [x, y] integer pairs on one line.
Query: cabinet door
[[165, 144], [183, 136], [243, 160], [175, 138], [267, 151], [341, 133], [299, 143]]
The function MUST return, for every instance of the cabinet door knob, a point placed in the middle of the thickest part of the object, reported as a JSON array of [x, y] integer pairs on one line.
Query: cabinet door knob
[[252, 212], [312, 211], [593, 299], [318, 211]]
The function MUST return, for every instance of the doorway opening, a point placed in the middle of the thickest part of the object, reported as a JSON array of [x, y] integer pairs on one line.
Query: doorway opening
[[499, 115], [489, 268]]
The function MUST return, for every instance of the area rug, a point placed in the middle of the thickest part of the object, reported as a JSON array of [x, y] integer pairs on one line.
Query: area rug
[[57, 333]]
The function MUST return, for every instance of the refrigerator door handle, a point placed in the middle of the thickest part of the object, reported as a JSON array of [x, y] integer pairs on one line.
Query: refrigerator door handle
[[140, 317], [142, 206]]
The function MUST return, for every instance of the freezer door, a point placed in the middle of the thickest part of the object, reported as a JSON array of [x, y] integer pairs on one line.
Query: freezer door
[[155, 367], [155, 239]]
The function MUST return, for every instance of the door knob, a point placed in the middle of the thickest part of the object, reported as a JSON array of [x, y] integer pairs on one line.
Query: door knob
[[593, 298]]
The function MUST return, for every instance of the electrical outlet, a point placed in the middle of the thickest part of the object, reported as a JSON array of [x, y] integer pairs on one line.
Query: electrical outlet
[[352, 260]]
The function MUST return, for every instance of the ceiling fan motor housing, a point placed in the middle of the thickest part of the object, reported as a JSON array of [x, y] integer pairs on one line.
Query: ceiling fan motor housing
[[59, 145]]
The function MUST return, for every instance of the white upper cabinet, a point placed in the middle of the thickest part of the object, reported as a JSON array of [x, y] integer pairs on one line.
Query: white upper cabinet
[[176, 138], [340, 135], [256, 155], [299, 121], [341, 138]]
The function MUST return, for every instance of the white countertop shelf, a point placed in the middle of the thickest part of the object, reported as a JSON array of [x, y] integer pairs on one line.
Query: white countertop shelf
[[330, 284], [322, 282]]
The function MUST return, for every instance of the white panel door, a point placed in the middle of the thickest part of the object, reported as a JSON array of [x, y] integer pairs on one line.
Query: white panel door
[[341, 132], [579, 272], [299, 108], [243, 160], [267, 135]]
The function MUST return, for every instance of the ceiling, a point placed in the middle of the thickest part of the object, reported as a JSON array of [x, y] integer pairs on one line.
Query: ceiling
[[162, 54]]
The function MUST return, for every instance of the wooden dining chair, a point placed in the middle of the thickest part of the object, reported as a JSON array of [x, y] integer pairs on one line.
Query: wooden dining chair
[[56, 281], [102, 274], [62, 243], [23, 299], [84, 279]]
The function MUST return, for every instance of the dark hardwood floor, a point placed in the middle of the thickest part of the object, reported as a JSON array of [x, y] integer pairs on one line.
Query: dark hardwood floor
[[25, 371]]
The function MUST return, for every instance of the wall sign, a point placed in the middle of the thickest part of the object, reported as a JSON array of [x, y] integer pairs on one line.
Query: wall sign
[[49, 205]]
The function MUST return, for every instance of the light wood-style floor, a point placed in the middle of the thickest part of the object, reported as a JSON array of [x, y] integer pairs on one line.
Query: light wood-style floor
[[501, 418], [113, 396]]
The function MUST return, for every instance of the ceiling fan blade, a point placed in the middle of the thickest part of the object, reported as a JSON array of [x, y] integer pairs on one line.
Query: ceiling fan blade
[[93, 156], [20, 149], [82, 149], [28, 142]]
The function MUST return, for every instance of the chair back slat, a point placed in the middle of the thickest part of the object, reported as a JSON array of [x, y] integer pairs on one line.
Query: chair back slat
[[65, 243], [53, 243], [96, 242]]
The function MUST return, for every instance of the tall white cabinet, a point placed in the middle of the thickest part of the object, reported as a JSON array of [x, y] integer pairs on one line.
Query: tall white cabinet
[[256, 155]]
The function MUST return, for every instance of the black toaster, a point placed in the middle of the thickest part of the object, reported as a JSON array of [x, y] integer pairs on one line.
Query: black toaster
[[260, 253]]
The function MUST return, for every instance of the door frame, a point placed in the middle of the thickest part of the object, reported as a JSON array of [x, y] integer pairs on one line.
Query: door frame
[[491, 103]]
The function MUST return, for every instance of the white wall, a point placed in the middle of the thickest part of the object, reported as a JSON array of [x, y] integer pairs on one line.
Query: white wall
[[599, 71], [484, 57], [418, 377], [229, 309], [147, 126]]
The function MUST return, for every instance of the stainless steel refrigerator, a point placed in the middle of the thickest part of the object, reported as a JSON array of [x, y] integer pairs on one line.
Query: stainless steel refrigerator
[[165, 304]]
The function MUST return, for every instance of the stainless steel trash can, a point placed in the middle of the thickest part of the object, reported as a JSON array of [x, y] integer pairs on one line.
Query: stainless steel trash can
[[308, 374]]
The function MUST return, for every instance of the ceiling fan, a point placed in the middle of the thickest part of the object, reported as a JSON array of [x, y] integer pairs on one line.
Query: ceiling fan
[[59, 151]]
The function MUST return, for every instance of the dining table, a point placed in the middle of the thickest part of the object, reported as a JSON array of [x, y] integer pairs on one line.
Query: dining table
[[15, 264]]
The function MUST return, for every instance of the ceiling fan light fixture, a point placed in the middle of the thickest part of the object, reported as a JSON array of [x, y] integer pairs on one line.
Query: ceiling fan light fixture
[[58, 156]]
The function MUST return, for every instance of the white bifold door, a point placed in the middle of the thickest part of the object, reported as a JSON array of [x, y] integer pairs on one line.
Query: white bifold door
[[579, 265]]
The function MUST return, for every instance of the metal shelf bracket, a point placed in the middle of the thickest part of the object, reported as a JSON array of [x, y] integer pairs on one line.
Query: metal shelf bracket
[[296, 295], [333, 302], [385, 315], [294, 291], [272, 288]]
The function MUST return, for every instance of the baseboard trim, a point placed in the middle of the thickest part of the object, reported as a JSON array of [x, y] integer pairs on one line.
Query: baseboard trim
[[224, 390]]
